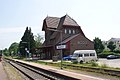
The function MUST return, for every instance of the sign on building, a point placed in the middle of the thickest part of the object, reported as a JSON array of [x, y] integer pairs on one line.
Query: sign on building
[[61, 47]]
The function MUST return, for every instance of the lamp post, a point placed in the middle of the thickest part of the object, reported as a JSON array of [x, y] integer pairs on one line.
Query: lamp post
[[60, 44]]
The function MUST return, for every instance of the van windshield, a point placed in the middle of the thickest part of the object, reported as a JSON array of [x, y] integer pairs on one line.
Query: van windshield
[[75, 55]]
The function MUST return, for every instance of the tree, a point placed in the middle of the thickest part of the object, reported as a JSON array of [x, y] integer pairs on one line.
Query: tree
[[6, 52], [38, 40], [27, 42], [24, 42], [13, 49], [111, 46], [99, 47], [38, 43], [31, 42]]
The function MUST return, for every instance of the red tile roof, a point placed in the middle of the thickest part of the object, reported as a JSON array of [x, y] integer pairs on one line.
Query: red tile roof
[[52, 22], [68, 39], [69, 21]]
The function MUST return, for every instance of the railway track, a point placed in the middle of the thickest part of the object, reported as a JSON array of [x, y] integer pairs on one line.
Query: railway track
[[36, 73]]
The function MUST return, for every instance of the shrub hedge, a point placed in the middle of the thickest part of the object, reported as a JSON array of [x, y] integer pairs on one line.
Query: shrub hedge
[[105, 54]]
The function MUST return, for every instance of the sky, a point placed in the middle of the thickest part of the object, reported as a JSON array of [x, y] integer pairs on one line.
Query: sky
[[97, 18]]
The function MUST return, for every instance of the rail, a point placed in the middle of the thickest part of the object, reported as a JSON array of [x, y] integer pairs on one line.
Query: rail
[[51, 75]]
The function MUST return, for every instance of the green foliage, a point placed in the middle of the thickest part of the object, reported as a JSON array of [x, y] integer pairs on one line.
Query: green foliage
[[111, 46], [117, 51], [38, 40], [27, 42], [104, 66], [32, 44], [75, 62], [94, 64], [98, 46], [13, 49], [105, 54], [6, 52]]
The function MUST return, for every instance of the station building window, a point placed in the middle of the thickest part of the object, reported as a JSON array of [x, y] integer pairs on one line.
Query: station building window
[[73, 31], [65, 31], [69, 31]]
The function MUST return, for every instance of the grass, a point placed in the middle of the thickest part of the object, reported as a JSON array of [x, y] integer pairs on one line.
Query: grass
[[94, 64], [12, 72], [104, 66]]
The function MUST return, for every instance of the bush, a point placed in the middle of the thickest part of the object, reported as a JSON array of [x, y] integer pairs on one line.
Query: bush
[[117, 51], [94, 64], [75, 62], [104, 66], [105, 54]]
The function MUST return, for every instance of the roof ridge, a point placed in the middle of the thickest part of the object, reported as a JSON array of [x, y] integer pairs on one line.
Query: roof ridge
[[69, 20], [51, 17]]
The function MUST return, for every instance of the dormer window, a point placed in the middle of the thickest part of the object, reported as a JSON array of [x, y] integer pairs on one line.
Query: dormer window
[[65, 31], [69, 31], [73, 31]]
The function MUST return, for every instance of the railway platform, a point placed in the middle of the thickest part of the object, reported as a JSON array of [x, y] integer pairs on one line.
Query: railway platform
[[63, 72]]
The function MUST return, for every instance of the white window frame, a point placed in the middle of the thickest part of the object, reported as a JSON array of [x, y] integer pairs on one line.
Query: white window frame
[[65, 31], [69, 31], [73, 31]]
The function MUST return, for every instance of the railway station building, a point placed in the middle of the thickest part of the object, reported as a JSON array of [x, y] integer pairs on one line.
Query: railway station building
[[63, 34]]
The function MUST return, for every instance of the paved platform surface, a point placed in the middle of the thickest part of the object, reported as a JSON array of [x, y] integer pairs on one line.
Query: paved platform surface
[[3, 75], [64, 72]]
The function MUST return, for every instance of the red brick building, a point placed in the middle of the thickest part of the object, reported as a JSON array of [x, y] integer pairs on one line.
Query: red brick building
[[66, 32]]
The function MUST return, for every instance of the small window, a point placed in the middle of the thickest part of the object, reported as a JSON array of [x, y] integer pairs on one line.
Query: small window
[[69, 31], [65, 31], [73, 31], [80, 55], [92, 54], [86, 55]]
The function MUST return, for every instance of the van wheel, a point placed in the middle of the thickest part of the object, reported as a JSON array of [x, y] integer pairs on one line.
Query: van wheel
[[81, 62]]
